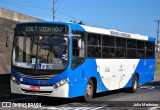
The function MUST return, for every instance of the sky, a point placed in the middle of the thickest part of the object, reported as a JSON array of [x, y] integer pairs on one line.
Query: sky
[[131, 16]]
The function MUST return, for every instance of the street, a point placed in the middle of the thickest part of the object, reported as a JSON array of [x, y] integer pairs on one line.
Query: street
[[146, 98]]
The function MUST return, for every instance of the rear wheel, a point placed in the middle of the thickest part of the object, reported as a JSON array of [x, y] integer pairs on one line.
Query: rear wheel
[[134, 87], [89, 91]]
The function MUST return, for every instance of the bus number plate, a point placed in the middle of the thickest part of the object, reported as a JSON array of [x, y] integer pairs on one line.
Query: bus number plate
[[36, 88]]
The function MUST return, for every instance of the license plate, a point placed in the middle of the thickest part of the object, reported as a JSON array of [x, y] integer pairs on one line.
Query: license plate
[[35, 88]]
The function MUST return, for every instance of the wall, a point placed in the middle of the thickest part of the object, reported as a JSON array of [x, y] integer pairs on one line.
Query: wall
[[11, 15], [8, 20]]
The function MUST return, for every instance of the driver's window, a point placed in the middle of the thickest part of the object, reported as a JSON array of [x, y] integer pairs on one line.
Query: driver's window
[[78, 48], [78, 44]]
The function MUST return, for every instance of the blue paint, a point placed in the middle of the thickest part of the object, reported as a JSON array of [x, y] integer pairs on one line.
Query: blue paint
[[145, 70], [152, 39], [90, 69], [35, 82]]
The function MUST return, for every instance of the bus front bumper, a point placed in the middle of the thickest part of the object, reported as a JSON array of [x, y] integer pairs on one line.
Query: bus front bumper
[[49, 91]]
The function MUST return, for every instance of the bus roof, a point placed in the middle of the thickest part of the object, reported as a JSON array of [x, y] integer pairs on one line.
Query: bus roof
[[96, 30]]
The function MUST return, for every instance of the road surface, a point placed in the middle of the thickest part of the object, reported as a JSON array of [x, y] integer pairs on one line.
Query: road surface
[[147, 97]]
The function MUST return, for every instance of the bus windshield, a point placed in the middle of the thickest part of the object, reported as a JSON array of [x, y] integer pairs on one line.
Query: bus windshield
[[40, 52]]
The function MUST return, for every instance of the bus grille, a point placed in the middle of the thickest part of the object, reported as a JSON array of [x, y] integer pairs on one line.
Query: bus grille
[[36, 92], [37, 76]]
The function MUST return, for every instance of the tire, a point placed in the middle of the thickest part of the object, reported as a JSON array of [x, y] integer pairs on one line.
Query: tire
[[89, 91], [134, 87]]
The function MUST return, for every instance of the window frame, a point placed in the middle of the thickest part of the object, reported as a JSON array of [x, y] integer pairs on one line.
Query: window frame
[[125, 47]]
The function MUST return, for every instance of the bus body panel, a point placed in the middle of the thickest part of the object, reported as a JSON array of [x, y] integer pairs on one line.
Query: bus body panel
[[110, 74], [44, 90], [30, 81], [108, 78], [81, 76]]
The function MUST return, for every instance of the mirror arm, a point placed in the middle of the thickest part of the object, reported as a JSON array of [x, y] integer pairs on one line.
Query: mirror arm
[[7, 41]]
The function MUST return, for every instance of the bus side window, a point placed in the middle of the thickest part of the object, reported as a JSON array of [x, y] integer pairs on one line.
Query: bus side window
[[78, 50], [75, 48], [78, 44], [81, 51]]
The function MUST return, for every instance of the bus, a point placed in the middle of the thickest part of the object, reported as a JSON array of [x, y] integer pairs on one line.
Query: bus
[[67, 60]]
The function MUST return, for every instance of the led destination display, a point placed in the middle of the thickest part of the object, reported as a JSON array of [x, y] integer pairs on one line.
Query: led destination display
[[41, 28], [55, 29]]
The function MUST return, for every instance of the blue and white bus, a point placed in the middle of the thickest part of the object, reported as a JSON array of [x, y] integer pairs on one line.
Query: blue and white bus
[[67, 60]]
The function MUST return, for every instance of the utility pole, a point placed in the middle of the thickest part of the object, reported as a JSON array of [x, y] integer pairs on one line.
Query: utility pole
[[53, 11], [158, 21], [157, 46]]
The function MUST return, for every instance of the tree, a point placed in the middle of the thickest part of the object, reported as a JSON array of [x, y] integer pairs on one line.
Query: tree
[[81, 22]]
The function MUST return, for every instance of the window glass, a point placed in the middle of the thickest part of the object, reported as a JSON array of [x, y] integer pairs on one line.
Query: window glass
[[41, 52], [78, 48], [140, 44], [149, 45], [131, 43], [131, 53], [108, 52], [94, 51], [121, 42], [94, 39], [120, 53], [108, 41], [149, 54], [141, 53]]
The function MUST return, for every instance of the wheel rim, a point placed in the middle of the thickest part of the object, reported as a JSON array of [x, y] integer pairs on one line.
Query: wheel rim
[[135, 85], [89, 90]]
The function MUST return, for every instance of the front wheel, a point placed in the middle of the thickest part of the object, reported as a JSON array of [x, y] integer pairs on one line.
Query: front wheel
[[134, 87], [89, 91]]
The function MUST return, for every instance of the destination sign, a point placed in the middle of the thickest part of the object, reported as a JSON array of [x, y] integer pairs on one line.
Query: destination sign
[[121, 34], [56, 29], [43, 28]]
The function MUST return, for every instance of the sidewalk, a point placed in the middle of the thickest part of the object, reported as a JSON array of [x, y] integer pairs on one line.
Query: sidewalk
[[157, 76]]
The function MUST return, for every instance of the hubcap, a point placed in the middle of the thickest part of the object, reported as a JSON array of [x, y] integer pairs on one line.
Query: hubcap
[[89, 90], [135, 85]]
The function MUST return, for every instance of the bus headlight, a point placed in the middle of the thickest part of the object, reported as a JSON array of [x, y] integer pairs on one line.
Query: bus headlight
[[15, 80], [60, 83]]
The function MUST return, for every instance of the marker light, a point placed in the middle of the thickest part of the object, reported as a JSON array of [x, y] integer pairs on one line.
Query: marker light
[[40, 38], [15, 80]]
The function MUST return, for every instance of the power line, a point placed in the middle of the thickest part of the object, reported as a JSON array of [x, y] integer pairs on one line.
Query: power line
[[25, 5], [26, 10], [75, 18], [58, 6], [20, 6], [53, 10], [55, 1]]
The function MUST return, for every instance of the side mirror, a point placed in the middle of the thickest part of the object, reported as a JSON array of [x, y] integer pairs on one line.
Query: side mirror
[[7, 41], [79, 43]]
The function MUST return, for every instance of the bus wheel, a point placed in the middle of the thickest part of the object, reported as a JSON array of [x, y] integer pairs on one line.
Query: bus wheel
[[134, 87], [89, 91]]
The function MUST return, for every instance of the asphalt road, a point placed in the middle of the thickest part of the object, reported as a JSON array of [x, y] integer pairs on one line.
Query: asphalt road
[[146, 98]]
